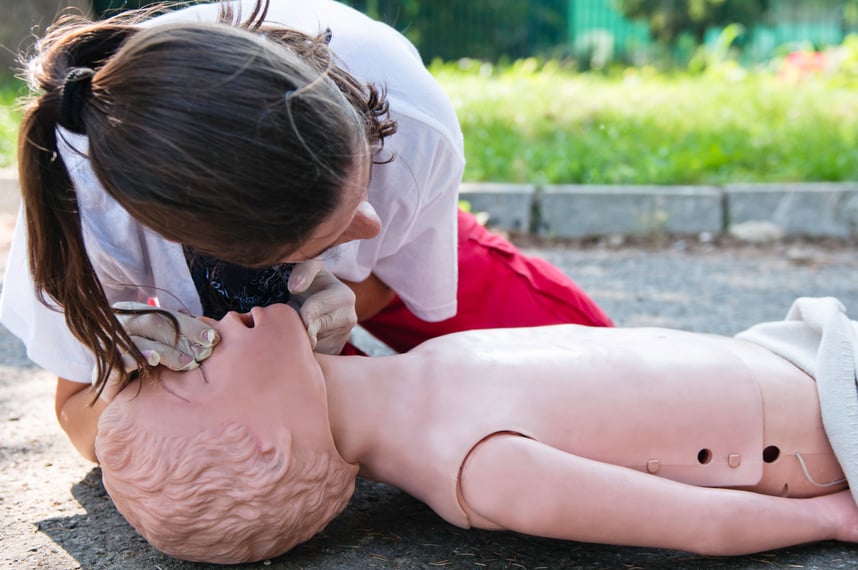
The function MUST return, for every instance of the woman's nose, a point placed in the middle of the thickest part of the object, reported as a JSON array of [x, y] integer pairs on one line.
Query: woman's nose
[[365, 225]]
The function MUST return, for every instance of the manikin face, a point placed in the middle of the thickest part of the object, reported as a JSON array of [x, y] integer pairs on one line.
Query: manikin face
[[263, 374], [234, 461]]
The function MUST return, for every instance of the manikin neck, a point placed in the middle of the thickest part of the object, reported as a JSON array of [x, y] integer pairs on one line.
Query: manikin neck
[[369, 406]]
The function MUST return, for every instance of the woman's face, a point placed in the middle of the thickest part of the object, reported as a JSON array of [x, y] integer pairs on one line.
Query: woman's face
[[354, 218]]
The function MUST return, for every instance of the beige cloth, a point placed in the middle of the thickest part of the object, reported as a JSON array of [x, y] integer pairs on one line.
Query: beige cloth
[[819, 338]]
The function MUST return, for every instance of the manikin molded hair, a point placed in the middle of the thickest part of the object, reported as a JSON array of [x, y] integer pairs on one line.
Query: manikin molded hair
[[235, 139], [173, 489]]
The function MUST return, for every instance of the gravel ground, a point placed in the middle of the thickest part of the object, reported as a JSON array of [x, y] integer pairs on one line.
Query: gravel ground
[[56, 514]]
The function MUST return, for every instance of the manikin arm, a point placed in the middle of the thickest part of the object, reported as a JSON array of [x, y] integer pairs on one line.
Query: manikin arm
[[528, 487]]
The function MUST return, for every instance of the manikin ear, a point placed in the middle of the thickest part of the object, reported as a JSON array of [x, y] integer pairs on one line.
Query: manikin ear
[[281, 442]]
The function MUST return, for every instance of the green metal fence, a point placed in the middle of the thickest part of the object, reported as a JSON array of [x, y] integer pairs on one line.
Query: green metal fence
[[450, 29], [589, 30]]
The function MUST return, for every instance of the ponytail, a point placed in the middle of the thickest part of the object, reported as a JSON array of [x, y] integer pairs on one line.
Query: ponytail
[[58, 259]]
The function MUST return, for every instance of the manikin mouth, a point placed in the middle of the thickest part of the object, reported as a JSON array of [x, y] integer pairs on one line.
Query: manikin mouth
[[247, 319]]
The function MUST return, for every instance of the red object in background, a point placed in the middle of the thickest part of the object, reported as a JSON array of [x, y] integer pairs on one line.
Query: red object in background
[[799, 65], [498, 287]]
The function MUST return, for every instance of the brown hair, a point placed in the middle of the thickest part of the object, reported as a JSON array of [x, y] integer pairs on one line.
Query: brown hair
[[232, 138]]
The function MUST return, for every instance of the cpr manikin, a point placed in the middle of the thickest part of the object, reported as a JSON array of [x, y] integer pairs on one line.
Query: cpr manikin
[[619, 436]]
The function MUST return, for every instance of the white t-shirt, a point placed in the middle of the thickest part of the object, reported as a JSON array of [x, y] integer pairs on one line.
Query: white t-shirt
[[415, 195]]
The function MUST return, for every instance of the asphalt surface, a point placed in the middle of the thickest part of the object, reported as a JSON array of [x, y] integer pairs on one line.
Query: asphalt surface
[[57, 515]]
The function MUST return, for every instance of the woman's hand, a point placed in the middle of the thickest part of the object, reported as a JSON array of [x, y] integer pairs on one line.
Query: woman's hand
[[160, 341], [181, 348], [327, 306]]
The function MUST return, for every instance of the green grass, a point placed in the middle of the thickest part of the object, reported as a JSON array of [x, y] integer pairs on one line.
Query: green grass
[[527, 123], [10, 118], [542, 124]]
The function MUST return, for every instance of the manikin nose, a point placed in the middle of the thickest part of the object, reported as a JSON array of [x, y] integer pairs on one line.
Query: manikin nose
[[365, 225]]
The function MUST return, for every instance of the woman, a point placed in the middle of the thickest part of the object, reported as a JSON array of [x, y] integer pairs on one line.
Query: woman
[[194, 158]]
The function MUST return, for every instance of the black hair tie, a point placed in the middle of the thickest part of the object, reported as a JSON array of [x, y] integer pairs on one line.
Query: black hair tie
[[77, 84]]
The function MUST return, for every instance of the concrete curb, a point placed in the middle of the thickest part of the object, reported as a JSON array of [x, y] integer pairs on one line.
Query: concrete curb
[[752, 212], [580, 211], [813, 209]]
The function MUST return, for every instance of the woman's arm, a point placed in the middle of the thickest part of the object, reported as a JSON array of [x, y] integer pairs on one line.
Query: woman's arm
[[371, 296], [529, 487], [77, 417]]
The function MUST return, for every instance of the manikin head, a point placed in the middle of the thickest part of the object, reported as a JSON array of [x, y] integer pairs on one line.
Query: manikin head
[[234, 462]]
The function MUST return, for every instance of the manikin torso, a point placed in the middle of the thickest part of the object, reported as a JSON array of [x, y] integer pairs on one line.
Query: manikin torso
[[613, 436], [565, 432], [700, 409]]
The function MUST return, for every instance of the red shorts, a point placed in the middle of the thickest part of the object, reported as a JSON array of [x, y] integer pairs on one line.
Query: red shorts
[[498, 287]]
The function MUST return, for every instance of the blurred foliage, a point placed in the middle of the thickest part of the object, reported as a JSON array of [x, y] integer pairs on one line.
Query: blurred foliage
[[845, 61], [538, 122], [668, 19], [542, 121], [594, 32], [488, 29], [10, 117], [102, 8], [718, 55]]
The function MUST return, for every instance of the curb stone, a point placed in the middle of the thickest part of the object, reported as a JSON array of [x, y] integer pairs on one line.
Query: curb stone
[[814, 209], [509, 206], [582, 211]]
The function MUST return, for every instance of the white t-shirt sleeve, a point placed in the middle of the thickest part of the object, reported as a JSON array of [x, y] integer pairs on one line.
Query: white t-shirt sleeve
[[43, 330], [416, 196]]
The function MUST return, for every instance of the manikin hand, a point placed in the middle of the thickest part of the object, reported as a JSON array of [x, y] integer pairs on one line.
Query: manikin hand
[[156, 337], [327, 306]]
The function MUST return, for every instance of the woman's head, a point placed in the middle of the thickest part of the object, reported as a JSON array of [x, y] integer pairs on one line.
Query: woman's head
[[240, 140], [235, 142]]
